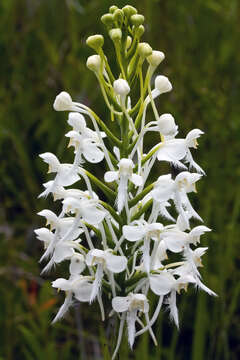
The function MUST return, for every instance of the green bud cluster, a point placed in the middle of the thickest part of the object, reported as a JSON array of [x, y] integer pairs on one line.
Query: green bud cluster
[[125, 27]]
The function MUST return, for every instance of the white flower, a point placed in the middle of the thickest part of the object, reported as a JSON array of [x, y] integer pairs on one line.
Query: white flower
[[165, 283], [78, 124], [104, 260], [66, 173], [190, 267], [185, 183], [131, 304], [175, 240], [78, 285], [63, 102], [62, 193], [162, 84], [174, 150], [145, 231], [124, 174], [88, 209], [86, 146]]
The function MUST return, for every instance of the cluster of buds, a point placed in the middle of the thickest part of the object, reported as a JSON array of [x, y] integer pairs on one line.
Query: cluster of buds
[[119, 232]]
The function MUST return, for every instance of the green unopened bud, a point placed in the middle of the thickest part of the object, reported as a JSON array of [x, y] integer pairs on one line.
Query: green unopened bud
[[139, 31], [115, 34], [128, 42], [137, 19], [156, 58], [95, 42], [94, 63], [118, 16], [144, 50], [113, 8], [107, 19], [129, 11]]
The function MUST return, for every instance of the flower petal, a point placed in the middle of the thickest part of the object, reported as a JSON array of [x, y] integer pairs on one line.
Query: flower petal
[[62, 284], [161, 284], [136, 180], [62, 252], [77, 264], [83, 291], [133, 233], [120, 303], [111, 176], [116, 264], [93, 154]]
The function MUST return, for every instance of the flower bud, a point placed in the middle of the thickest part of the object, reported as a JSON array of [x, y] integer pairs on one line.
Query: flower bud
[[137, 19], [155, 58], [63, 102], [115, 34], [128, 42], [95, 42], [144, 50], [167, 126], [118, 16], [139, 31], [94, 63], [121, 87], [162, 84], [113, 8], [129, 11], [107, 19]]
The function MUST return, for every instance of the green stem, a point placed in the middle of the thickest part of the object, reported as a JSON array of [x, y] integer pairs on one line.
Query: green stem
[[112, 212], [142, 210], [140, 196]]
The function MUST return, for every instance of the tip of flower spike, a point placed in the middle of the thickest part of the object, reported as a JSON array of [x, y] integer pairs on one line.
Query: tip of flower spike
[[63, 102], [129, 10]]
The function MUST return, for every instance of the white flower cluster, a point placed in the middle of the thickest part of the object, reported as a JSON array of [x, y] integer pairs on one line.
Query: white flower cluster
[[118, 239]]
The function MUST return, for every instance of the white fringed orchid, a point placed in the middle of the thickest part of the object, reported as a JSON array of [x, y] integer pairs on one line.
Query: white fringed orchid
[[105, 261], [88, 210], [67, 174], [124, 228], [85, 146], [145, 231], [131, 305], [78, 123], [174, 150], [123, 175]]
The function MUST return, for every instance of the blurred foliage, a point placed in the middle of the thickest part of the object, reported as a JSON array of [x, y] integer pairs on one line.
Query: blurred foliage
[[43, 51]]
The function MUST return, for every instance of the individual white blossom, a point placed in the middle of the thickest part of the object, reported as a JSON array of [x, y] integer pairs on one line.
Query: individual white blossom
[[123, 175]]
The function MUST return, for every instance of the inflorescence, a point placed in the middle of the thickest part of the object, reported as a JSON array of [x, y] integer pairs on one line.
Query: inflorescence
[[119, 232]]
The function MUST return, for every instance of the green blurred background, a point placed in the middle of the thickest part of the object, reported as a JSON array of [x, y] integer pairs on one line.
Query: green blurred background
[[43, 51]]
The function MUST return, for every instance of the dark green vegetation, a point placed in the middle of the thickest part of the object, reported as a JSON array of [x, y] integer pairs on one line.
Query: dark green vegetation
[[43, 51]]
